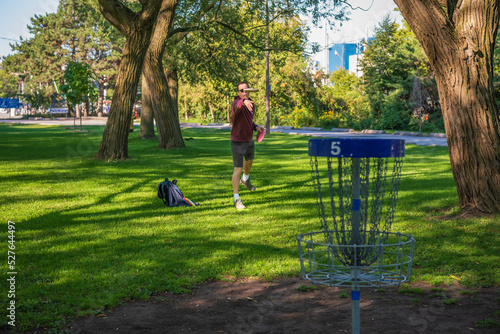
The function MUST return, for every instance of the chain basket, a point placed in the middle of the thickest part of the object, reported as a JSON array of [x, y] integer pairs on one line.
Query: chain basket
[[356, 191], [320, 265], [358, 207]]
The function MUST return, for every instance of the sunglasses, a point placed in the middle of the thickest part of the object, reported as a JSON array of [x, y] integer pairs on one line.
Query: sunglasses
[[241, 91]]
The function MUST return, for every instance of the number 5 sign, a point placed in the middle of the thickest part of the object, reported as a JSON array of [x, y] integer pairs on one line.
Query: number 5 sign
[[335, 148], [356, 147]]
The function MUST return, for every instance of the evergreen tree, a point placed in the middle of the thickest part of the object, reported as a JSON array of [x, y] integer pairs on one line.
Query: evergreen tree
[[91, 40], [390, 62], [39, 60], [76, 32], [8, 84]]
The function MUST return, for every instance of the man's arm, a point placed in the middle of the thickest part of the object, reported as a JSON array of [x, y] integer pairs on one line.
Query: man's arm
[[248, 104], [258, 128]]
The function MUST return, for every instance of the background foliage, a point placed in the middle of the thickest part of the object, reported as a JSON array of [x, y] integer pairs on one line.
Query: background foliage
[[396, 91]]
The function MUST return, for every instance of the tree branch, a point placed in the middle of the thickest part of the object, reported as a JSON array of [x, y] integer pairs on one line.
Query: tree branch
[[117, 14], [363, 9], [185, 30], [123, 18], [242, 34]]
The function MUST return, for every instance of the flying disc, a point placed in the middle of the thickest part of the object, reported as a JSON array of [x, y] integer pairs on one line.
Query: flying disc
[[250, 90], [260, 136]]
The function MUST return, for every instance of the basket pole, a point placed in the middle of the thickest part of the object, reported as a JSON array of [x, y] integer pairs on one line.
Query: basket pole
[[355, 297]]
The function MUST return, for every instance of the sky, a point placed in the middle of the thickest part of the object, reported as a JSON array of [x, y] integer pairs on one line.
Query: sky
[[16, 16], [362, 23]]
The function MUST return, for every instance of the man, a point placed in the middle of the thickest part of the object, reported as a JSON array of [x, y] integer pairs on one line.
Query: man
[[242, 144]]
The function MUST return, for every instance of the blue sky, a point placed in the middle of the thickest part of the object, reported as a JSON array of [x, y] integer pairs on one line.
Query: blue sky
[[362, 23], [367, 15], [16, 16]]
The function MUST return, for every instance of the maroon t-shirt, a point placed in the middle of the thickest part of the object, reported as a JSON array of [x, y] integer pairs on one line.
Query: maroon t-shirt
[[242, 119]]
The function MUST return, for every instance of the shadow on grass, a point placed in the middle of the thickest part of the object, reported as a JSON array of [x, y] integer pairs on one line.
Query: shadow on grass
[[94, 233]]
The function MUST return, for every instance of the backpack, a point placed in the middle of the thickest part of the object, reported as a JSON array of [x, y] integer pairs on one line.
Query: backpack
[[171, 195]]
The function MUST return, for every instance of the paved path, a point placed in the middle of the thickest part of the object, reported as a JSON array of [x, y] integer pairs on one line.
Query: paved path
[[410, 138]]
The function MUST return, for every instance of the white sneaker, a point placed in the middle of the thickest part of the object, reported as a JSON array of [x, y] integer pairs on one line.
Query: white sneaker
[[238, 204]]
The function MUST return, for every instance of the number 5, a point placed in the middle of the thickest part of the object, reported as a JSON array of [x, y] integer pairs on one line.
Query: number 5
[[335, 148]]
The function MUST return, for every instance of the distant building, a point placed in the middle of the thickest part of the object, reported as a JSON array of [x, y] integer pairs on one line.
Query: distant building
[[341, 56], [346, 56]]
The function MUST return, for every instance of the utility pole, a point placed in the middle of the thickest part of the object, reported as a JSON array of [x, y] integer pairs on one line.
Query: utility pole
[[327, 51], [268, 115]]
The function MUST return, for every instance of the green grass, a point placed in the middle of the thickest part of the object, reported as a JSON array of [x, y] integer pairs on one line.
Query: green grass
[[306, 288], [487, 323], [90, 234], [406, 289], [450, 301]]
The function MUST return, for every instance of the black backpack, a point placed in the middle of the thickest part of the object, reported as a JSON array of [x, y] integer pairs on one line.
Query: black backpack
[[171, 195]]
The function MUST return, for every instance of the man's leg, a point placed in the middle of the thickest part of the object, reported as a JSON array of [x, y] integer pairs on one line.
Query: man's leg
[[236, 179], [238, 204], [247, 165]]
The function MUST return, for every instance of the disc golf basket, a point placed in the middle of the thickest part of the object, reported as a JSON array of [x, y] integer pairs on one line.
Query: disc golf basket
[[356, 191]]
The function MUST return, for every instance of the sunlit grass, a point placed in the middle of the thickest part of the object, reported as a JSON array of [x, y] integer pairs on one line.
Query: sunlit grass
[[90, 234]]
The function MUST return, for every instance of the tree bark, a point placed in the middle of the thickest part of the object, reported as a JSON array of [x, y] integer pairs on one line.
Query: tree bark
[[137, 28], [173, 88], [164, 107], [211, 111], [86, 110], [228, 108], [100, 98], [147, 129], [459, 42]]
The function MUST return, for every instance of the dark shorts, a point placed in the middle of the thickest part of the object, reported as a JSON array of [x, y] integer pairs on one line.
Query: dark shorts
[[240, 150]]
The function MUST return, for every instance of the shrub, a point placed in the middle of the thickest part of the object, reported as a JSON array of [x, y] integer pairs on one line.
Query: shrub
[[301, 117]]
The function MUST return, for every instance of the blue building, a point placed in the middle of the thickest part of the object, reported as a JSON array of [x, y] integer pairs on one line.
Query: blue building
[[338, 56], [345, 56]]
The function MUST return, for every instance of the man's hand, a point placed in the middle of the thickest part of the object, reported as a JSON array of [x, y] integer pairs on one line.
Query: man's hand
[[261, 129], [249, 105]]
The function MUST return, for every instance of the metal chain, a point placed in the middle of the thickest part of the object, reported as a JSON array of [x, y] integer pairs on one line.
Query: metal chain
[[396, 176], [378, 191], [332, 193], [317, 188], [373, 182]]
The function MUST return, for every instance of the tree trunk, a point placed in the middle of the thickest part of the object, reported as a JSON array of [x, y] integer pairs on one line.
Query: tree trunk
[[100, 98], [173, 88], [147, 130], [459, 43], [71, 111], [211, 111], [114, 144], [137, 28], [86, 111], [228, 108], [164, 107]]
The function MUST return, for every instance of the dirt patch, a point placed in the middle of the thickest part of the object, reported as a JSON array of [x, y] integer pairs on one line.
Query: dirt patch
[[249, 306]]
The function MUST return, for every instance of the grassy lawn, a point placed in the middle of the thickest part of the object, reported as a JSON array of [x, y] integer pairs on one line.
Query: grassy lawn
[[90, 234]]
